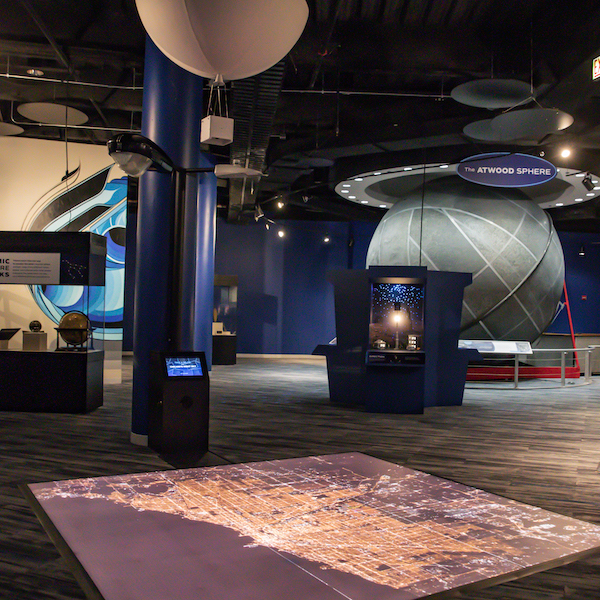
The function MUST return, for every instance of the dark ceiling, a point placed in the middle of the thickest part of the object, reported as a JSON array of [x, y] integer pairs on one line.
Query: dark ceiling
[[367, 86]]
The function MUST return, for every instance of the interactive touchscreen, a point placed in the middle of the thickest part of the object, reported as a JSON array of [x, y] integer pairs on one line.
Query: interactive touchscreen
[[397, 311], [183, 366]]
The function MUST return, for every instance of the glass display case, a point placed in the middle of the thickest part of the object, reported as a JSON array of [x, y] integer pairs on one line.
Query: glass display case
[[225, 305], [224, 327], [65, 272], [397, 322]]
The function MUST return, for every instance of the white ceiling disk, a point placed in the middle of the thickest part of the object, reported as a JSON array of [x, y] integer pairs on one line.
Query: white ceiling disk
[[10, 129], [531, 123], [232, 39], [492, 93], [53, 113], [484, 132]]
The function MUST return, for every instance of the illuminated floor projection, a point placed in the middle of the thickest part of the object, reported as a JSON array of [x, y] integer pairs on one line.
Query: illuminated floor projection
[[325, 527]]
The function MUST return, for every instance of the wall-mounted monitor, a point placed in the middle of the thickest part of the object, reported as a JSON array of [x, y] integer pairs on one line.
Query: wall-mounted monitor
[[397, 321], [185, 365]]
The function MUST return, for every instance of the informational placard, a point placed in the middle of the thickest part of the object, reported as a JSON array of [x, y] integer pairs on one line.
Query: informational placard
[[497, 346], [505, 169], [30, 268]]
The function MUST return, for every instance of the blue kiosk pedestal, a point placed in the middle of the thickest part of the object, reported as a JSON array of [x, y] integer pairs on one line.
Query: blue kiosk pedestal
[[397, 339]]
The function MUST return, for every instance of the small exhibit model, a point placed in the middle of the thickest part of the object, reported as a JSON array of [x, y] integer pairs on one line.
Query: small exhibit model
[[321, 527], [35, 327]]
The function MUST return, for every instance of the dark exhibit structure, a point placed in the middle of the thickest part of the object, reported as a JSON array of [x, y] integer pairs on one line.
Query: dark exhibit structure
[[397, 331], [68, 380]]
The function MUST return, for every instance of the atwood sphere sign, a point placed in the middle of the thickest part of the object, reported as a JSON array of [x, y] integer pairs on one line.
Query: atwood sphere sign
[[504, 169]]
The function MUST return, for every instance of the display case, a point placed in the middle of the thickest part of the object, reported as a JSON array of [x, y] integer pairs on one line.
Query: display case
[[397, 322], [65, 272], [225, 302]]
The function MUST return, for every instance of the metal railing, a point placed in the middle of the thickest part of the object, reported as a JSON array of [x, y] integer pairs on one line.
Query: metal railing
[[584, 353]]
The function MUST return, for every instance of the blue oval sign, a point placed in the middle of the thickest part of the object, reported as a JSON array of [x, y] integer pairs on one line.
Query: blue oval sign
[[504, 169]]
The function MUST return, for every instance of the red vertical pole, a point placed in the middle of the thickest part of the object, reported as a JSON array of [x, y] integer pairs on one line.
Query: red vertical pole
[[570, 322]]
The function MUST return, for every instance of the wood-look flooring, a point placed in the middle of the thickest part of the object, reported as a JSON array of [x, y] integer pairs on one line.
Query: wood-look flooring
[[541, 447]]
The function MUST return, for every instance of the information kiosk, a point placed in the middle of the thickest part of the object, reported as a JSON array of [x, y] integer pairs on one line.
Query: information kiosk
[[179, 403]]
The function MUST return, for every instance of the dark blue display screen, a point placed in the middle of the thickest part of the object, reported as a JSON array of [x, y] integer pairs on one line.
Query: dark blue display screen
[[184, 366]]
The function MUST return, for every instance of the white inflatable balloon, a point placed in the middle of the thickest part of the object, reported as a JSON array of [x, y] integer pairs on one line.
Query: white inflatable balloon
[[231, 38]]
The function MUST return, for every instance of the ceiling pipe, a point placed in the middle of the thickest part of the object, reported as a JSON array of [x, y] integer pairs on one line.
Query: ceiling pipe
[[133, 88]]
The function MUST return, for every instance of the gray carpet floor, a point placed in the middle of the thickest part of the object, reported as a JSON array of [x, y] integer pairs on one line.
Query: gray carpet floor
[[539, 446]]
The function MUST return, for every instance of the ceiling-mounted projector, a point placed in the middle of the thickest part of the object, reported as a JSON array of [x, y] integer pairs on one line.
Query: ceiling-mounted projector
[[217, 131]]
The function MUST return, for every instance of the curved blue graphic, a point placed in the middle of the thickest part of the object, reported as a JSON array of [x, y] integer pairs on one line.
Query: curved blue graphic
[[94, 205]]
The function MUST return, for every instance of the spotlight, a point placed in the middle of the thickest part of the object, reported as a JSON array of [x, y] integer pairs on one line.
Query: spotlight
[[280, 204], [326, 239], [582, 251], [258, 212], [587, 183], [281, 233], [565, 152]]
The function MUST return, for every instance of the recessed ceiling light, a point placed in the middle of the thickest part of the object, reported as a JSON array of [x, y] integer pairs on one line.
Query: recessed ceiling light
[[383, 206], [597, 187], [594, 181], [345, 192], [443, 166], [559, 204], [364, 202], [346, 185], [326, 239], [580, 175], [352, 197], [408, 168], [590, 194], [377, 173], [578, 199], [358, 179], [281, 233]]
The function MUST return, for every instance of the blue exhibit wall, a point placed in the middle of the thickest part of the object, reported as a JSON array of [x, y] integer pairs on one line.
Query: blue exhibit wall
[[285, 303], [582, 276]]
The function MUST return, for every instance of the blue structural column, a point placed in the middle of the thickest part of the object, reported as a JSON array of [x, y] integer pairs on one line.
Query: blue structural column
[[172, 111]]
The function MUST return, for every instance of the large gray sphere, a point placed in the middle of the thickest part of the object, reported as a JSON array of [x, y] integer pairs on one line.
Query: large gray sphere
[[507, 242]]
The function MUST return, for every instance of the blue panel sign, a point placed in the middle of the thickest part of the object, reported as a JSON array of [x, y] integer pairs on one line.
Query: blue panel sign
[[505, 169]]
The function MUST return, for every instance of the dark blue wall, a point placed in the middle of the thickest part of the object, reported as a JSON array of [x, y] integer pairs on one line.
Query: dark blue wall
[[285, 303], [582, 275]]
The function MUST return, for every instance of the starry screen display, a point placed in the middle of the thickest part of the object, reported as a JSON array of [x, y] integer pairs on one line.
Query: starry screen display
[[184, 366], [397, 314]]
